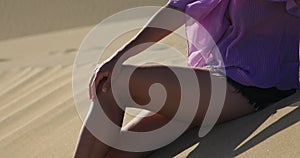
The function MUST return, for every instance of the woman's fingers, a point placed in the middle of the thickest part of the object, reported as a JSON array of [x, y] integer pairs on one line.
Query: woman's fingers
[[95, 84], [94, 81], [106, 85], [100, 77]]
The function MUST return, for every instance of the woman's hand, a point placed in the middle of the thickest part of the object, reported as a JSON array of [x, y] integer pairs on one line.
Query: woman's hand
[[102, 71], [144, 39]]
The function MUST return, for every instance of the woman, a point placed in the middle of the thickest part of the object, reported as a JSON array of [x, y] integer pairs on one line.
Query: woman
[[258, 41]]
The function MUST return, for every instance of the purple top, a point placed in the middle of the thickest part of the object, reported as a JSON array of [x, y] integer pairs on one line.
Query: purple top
[[258, 39]]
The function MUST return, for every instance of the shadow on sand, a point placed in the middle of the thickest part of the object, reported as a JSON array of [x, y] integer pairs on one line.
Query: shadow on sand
[[225, 140]]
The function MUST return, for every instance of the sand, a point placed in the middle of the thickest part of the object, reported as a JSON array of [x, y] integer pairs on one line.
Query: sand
[[38, 116]]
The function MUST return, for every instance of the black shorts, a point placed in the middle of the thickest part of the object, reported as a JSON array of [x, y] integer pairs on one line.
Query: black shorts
[[260, 97]]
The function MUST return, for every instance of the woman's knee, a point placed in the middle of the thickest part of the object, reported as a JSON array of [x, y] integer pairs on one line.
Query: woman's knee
[[107, 100]]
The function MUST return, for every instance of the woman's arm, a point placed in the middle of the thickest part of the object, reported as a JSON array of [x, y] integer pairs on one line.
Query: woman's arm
[[163, 23], [155, 30]]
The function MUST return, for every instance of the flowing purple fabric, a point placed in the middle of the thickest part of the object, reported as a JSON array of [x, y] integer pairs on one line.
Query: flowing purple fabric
[[258, 39]]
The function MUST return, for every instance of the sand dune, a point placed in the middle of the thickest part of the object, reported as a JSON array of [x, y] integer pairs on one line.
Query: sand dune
[[38, 117], [37, 17]]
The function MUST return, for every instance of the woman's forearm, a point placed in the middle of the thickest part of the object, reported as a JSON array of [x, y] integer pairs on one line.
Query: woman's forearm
[[163, 23]]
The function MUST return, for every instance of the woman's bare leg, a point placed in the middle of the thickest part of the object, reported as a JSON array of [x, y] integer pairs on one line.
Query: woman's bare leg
[[88, 145], [148, 121], [235, 105]]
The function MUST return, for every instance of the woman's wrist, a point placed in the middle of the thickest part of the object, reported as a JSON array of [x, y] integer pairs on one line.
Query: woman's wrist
[[124, 53], [118, 56]]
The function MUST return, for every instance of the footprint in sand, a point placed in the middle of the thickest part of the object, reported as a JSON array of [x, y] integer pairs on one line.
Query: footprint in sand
[[158, 47], [70, 50], [53, 52], [65, 51], [4, 60]]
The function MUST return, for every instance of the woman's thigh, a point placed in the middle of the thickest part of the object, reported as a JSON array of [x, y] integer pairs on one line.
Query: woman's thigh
[[142, 78]]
